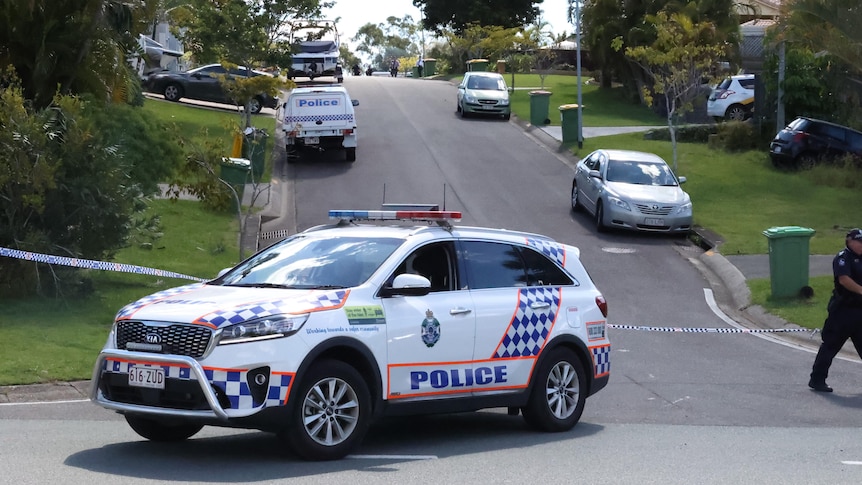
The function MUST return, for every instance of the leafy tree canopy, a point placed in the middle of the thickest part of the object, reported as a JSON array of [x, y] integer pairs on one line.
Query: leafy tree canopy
[[458, 15]]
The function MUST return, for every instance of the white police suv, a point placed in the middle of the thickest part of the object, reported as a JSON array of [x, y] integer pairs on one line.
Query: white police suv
[[316, 336]]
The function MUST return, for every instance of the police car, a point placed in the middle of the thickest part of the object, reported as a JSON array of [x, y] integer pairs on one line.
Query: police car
[[318, 335]]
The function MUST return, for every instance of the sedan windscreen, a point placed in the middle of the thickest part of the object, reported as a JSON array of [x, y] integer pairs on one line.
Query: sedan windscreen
[[640, 173]]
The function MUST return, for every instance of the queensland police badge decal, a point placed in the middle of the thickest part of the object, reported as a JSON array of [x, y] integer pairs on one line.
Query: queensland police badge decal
[[430, 329]]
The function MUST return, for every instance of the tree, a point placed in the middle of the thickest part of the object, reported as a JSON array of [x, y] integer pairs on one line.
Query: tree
[[72, 178], [73, 46], [249, 33], [606, 20], [489, 42], [459, 15], [682, 55], [825, 25]]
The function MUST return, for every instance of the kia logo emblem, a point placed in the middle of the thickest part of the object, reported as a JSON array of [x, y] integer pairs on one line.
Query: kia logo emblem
[[154, 338]]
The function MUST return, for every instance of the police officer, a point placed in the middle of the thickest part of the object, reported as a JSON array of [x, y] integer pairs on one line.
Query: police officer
[[844, 311]]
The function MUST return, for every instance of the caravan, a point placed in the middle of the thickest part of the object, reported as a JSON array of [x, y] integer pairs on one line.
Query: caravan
[[315, 46]]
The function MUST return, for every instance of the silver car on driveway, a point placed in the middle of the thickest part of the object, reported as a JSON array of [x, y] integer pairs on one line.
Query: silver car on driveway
[[631, 190]]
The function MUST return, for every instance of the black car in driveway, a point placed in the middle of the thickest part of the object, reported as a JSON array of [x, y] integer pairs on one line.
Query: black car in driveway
[[202, 84], [806, 140]]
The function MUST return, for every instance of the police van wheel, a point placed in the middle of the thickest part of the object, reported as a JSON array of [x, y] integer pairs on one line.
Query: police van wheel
[[155, 430], [351, 154], [333, 412], [558, 396]]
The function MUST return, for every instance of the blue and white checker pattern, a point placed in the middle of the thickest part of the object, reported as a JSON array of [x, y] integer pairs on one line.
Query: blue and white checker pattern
[[601, 360], [233, 382], [129, 309], [314, 118], [279, 385], [315, 302], [553, 250], [529, 329]]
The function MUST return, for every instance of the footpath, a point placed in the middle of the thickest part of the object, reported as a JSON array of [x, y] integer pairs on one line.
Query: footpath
[[726, 275]]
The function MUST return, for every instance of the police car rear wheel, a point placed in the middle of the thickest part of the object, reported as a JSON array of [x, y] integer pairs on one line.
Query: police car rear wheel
[[558, 397], [155, 430], [333, 413]]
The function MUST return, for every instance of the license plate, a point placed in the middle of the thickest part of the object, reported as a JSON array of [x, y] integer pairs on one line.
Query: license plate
[[312, 140], [151, 377], [654, 222]]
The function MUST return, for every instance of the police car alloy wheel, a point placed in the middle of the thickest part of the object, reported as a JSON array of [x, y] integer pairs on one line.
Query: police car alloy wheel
[[155, 430], [558, 399], [333, 415]]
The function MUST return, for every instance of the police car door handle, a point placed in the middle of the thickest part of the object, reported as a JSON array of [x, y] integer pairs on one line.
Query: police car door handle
[[540, 304], [459, 311]]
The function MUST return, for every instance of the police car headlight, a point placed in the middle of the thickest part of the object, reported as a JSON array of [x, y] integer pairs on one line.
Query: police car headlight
[[275, 326]]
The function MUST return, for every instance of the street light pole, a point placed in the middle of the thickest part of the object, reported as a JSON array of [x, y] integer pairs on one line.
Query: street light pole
[[578, 64]]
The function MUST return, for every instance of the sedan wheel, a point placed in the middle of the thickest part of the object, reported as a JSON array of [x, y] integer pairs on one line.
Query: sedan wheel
[[600, 217], [255, 106], [173, 92], [576, 204]]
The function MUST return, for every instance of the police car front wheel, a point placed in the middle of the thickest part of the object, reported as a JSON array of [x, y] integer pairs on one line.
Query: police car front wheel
[[559, 393], [333, 413]]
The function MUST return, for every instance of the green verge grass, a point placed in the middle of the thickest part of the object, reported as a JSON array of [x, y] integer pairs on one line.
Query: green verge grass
[[601, 107], [46, 339]]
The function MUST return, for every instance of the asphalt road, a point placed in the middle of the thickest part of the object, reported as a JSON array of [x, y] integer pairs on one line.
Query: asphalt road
[[681, 407]]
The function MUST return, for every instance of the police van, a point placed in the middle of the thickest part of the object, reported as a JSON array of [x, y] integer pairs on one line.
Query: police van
[[319, 118], [316, 336]]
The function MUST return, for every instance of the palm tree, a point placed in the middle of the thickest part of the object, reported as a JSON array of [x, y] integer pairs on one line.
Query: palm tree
[[826, 25]]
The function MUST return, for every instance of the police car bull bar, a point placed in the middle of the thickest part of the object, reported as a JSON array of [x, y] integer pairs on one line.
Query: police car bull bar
[[197, 370]]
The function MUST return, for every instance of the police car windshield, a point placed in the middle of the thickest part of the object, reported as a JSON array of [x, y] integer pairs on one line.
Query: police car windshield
[[309, 261]]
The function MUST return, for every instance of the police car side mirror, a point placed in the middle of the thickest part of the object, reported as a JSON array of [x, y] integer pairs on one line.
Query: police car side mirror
[[407, 285], [355, 102]]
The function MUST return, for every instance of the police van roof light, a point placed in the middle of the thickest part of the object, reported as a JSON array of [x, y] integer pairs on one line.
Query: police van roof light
[[395, 215]]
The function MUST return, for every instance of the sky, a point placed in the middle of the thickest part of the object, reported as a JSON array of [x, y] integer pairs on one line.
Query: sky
[[356, 13]]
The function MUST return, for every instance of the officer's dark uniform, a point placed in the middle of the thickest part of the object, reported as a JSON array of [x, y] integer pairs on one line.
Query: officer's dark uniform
[[844, 318]]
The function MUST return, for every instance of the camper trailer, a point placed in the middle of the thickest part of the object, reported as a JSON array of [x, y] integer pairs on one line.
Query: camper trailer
[[314, 49]]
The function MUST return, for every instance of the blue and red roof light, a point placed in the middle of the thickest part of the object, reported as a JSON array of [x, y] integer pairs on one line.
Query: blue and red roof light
[[395, 215]]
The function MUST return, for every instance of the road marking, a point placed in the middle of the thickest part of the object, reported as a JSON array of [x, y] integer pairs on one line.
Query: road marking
[[710, 301], [620, 250], [392, 457], [845, 462], [41, 402]]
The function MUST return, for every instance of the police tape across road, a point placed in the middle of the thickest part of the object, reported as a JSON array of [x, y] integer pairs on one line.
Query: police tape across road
[[710, 330], [90, 264]]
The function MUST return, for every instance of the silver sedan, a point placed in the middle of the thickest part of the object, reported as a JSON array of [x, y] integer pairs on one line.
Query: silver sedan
[[631, 190]]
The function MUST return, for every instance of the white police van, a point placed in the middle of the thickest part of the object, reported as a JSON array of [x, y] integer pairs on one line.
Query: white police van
[[321, 118], [316, 336]]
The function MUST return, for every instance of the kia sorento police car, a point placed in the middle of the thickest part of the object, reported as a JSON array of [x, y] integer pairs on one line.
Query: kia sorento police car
[[316, 336]]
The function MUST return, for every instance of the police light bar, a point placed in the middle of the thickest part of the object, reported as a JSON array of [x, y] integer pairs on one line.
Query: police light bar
[[395, 215]]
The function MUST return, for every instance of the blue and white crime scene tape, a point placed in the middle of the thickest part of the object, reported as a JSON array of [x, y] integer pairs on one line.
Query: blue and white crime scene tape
[[90, 264], [708, 330]]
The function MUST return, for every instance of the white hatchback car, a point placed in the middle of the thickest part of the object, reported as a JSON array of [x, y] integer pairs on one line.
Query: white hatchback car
[[315, 336], [732, 99]]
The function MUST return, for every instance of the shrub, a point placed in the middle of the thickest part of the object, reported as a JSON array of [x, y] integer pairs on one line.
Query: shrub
[[737, 136], [684, 134]]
